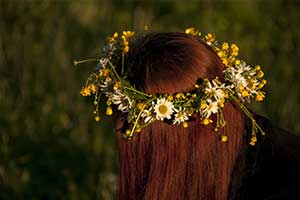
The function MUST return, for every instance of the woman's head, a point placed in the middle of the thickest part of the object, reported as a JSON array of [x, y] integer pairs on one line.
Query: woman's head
[[170, 62], [166, 161]]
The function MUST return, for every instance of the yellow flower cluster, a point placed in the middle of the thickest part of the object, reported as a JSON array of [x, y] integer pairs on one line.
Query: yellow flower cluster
[[192, 31], [125, 36], [88, 90], [228, 54], [253, 140], [210, 38]]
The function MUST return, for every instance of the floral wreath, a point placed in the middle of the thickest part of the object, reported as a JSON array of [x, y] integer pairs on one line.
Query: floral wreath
[[241, 83]]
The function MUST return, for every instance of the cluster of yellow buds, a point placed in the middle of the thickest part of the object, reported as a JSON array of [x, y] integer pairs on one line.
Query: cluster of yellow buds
[[210, 38], [88, 90], [192, 31], [125, 36], [206, 121], [228, 54], [253, 140], [113, 38]]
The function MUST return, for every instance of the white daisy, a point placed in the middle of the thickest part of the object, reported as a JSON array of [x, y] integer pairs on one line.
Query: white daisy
[[212, 107], [103, 62], [147, 115], [217, 91], [123, 101], [105, 83], [163, 109], [181, 116]]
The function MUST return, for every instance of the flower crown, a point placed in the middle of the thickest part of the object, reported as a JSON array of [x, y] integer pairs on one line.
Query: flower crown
[[242, 83]]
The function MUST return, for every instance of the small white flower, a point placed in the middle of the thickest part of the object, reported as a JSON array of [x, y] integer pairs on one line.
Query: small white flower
[[163, 109], [103, 62], [104, 84], [216, 90], [212, 107], [181, 116], [123, 101], [147, 115]]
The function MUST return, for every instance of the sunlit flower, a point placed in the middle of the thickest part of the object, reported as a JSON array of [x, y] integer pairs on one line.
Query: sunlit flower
[[85, 91], [216, 90], [192, 31], [260, 96], [210, 38], [109, 111], [123, 101], [163, 109], [211, 108], [234, 50], [181, 116], [148, 115]]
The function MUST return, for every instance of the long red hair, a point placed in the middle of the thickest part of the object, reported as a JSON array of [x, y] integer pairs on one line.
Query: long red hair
[[167, 161]]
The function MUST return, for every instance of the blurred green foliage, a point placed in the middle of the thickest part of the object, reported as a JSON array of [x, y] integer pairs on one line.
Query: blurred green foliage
[[50, 146]]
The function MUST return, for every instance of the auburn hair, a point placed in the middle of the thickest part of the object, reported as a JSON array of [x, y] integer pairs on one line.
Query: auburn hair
[[167, 161]]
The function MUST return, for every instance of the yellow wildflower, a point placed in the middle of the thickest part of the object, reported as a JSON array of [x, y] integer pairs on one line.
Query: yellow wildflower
[[97, 118], [237, 62], [115, 35], [185, 124], [109, 111], [225, 46], [138, 129], [221, 103], [260, 74], [225, 61], [93, 88], [125, 49], [224, 138], [245, 93], [140, 105], [210, 38], [253, 140], [104, 72], [125, 43], [241, 88], [262, 84], [203, 105], [260, 96], [257, 68], [206, 121], [170, 98], [85, 91], [221, 54], [117, 86], [180, 96], [192, 31], [128, 34], [234, 50]]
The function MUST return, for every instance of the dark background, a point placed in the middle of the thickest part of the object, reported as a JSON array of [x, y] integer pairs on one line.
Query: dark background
[[50, 146]]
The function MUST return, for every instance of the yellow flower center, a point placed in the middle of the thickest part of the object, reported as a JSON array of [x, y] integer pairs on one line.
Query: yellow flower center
[[163, 109]]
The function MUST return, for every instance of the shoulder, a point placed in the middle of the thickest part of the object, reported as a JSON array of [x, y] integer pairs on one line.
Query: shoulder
[[272, 167]]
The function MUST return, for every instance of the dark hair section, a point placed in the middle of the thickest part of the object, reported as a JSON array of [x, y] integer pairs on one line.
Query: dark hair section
[[167, 161]]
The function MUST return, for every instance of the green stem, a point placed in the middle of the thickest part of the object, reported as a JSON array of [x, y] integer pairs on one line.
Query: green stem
[[136, 121], [114, 70], [83, 61], [247, 112], [136, 91], [122, 72]]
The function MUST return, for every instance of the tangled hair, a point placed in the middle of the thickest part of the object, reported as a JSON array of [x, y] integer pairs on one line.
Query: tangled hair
[[168, 161]]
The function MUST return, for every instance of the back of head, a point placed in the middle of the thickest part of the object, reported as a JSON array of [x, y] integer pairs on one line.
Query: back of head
[[166, 161]]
